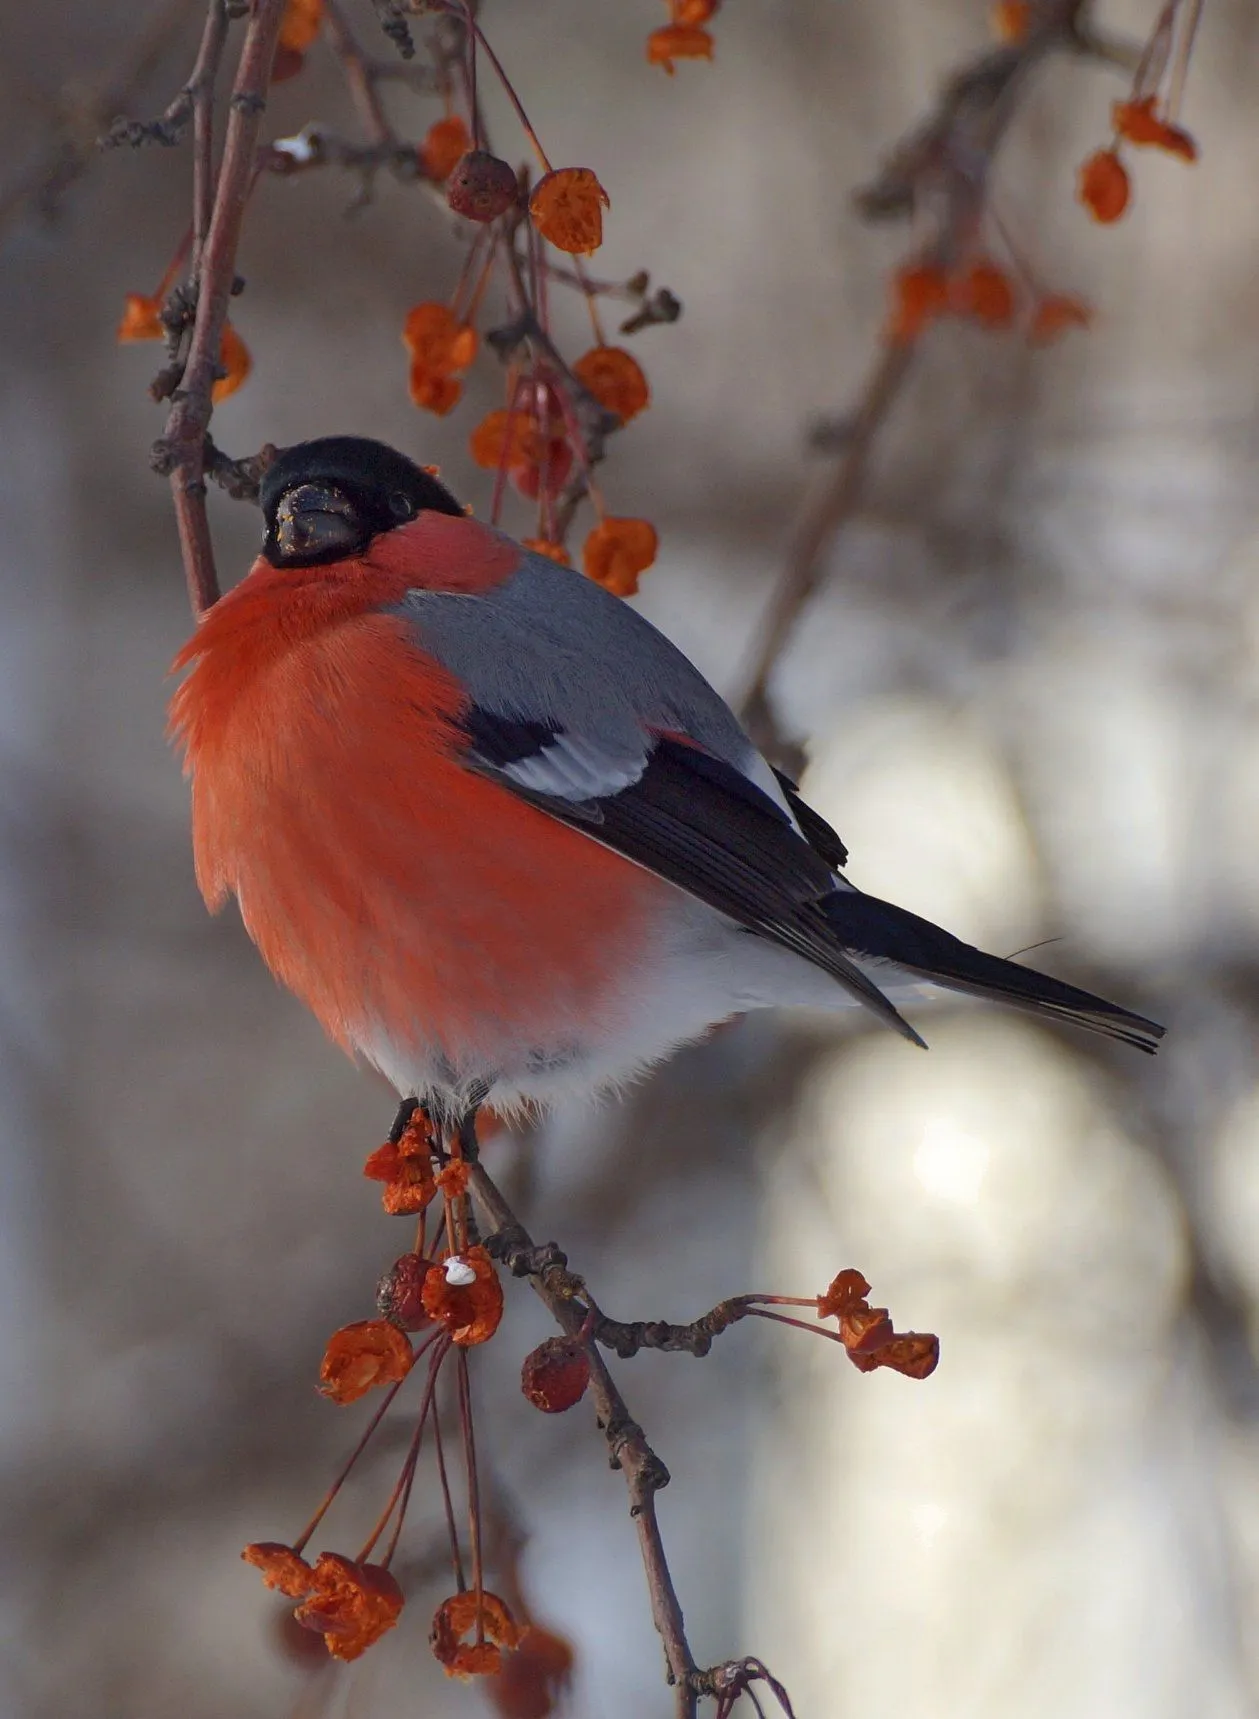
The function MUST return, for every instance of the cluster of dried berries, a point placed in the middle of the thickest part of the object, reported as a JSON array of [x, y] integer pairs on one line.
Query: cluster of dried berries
[[545, 441], [540, 441], [684, 36], [866, 1332], [559, 414], [142, 319], [536, 442], [981, 290], [351, 1604], [446, 1290], [436, 1302], [1147, 119], [1104, 187], [441, 347], [405, 1165]]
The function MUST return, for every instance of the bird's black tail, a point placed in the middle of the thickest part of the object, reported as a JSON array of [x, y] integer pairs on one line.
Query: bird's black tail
[[870, 927]]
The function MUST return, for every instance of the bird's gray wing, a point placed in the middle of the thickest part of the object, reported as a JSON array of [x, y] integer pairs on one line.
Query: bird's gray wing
[[578, 705]]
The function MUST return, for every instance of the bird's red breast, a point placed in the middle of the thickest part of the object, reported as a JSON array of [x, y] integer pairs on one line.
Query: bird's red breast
[[387, 885]]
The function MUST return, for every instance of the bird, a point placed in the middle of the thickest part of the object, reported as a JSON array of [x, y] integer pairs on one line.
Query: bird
[[495, 830]]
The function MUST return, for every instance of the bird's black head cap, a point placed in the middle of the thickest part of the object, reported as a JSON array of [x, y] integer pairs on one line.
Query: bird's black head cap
[[327, 499]]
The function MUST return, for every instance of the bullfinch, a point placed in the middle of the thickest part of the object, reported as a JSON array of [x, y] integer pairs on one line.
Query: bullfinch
[[494, 829]]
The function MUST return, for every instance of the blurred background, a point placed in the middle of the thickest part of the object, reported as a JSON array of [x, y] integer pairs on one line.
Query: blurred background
[[1027, 694]]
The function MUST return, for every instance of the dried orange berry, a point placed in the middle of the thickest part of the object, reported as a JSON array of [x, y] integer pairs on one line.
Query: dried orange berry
[[433, 390], [445, 144], [483, 1616], [693, 11], [410, 1185], [847, 1290], [867, 1334], [300, 24], [617, 551], [298, 29], [429, 329], [506, 438], [544, 546], [437, 341], [383, 1164], [865, 1329], [554, 1376], [1057, 312], [282, 1568], [916, 1354], [985, 293], [1138, 122], [234, 362], [1011, 19], [615, 379], [678, 42], [1103, 186], [920, 293], [141, 319], [361, 1356], [482, 186], [533, 1677], [567, 208], [351, 1605], [399, 1294], [452, 1178], [286, 64], [462, 1292]]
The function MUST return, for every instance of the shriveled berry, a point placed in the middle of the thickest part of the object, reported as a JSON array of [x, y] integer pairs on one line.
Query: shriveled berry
[[399, 1292], [1103, 186], [555, 1374], [362, 1356], [482, 186]]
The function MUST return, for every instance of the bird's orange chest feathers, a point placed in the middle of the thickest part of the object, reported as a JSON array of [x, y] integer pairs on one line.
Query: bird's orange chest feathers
[[392, 889]]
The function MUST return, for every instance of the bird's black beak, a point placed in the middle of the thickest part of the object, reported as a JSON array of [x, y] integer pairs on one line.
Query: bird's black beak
[[316, 522]]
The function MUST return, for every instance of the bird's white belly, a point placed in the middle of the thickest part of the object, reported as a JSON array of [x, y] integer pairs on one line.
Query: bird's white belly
[[698, 969]]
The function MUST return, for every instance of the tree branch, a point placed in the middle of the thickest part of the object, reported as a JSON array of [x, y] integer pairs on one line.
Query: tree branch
[[628, 1448], [181, 451]]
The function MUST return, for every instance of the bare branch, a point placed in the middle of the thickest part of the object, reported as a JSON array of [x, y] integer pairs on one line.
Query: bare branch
[[181, 451], [628, 1448]]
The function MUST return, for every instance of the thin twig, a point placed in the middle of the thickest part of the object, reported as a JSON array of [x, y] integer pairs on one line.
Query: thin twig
[[80, 116], [359, 76], [628, 1449], [199, 91], [831, 509], [181, 451], [1180, 65]]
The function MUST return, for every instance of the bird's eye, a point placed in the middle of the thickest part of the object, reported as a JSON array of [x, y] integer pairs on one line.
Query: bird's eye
[[401, 506]]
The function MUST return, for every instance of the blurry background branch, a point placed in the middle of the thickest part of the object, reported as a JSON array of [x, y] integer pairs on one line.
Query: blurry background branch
[[940, 169]]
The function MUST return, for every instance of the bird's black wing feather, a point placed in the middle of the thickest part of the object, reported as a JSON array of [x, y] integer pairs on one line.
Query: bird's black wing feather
[[886, 932], [696, 821], [813, 826]]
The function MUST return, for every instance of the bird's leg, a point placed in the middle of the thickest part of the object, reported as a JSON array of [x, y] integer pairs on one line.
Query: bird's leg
[[465, 1133], [464, 1129], [406, 1110]]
